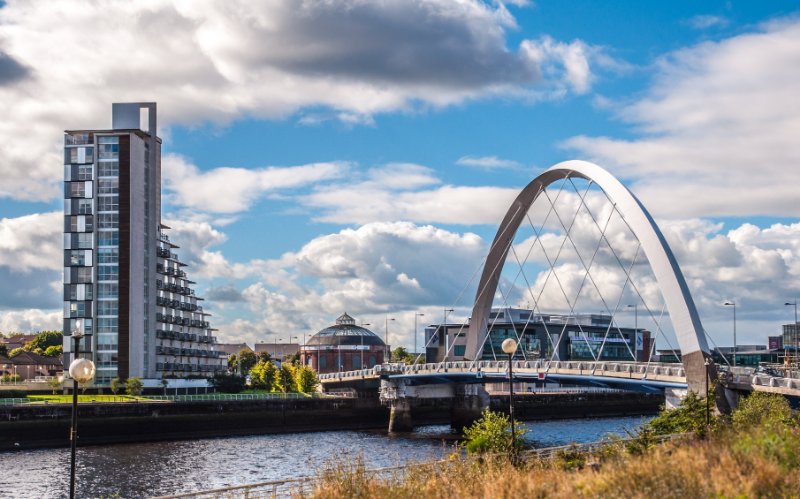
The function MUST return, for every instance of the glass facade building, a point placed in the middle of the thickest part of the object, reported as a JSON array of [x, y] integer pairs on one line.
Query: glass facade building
[[124, 287]]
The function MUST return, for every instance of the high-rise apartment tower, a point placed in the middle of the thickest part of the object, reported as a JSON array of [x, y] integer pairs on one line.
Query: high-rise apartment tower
[[124, 286]]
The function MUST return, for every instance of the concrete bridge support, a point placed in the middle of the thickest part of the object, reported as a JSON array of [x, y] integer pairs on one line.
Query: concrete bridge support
[[400, 419], [468, 404]]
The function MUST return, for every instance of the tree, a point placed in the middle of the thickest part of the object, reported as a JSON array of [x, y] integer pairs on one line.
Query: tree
[[15, 352], [306, 379], [492, 434], [762, 409], [54, 351], [247, 359], [134, 386], [689, 416], [54, 383], [263, 375], [45, 339], [264, 356], [400, 354], [233, 363], [286, 378], [228, 383], [116, 384]]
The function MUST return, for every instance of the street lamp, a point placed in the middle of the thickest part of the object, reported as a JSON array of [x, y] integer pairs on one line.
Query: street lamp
[[708, 415], [388, 350], [732, 303], [446, 336], [635, 316], [81, 371], [509, 346], [794, 332], [362, 343], [416, 316]]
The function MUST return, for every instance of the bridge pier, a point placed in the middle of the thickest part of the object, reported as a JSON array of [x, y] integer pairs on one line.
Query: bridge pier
[[468, 404], [400, 419]]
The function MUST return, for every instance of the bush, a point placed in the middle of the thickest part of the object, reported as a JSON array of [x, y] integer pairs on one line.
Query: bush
[[228, 383], [286, 379], [133, 386], [307, 381], [263, 375], [10, 378], [116, 384], [491, 434], [689, 416], [762, 409], [13, 394]]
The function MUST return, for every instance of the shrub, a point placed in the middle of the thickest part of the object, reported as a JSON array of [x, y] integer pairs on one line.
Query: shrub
[[228, 383], [263, 374], [13, 394], [762, 409], [133, 386], [306, 379], [286, 378], [491, 434], [689, 416]]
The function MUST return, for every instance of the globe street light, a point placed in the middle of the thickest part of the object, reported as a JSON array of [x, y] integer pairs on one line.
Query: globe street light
[[81, 371], [732, 303], [794, 331], [416, 316], [509, 346]]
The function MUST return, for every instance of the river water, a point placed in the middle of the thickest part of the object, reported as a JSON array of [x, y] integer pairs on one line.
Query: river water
[[153, 469]]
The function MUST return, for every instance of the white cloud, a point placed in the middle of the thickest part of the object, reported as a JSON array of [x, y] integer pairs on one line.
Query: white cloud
[[707, 21], [487, 162], [30, 320], [232, 190], [225, 60], [718, 129], [32, 242]]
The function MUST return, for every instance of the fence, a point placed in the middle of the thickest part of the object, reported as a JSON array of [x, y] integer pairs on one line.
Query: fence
[[179, 398]]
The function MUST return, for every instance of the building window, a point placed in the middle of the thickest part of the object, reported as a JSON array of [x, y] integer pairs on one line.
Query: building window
[[84, 275], [107, 290], [108, 238], [459, 350], [108, 272], [77, 189], [85, 172], [108, 169], [84, 241], [77, 258], [107, 307], [85, 206], [81, 155], [107, 325], [77, 309], [108, 186], [107, 255], [108, 221], [108, 203], [372, 361], [323, 362], [108, 151]]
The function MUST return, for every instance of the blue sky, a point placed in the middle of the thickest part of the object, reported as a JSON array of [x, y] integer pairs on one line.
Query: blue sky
[[330, 156]]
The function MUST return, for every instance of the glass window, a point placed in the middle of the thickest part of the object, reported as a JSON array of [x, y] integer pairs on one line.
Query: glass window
[[81, 155], [108, 139], [85, 241], [107, 307], [108, 272], [107, 325], [108, 169], [84, 274], [77, 257], [108, 151], [108, 221], [85, 172], [108, 186], [459, 350], [77, 189], [107, 255], [372, 361], [323, 362], [85, 206], [73, 224], [77, 309], [108, 203], [108, 238], [107, 290]]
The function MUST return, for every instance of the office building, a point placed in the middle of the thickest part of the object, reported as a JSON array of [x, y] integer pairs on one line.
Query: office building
[[124, 285]]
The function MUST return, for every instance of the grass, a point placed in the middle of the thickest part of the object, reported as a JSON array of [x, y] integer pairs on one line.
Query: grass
[[758, 455], [67, 399]]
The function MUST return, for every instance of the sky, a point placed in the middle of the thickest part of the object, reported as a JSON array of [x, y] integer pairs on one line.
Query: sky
[[358, 155]]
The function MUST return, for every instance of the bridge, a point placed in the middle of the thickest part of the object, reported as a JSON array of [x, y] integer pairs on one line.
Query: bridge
[[463, 380]]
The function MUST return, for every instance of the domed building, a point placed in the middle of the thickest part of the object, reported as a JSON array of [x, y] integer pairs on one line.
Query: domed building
[[343, 347]]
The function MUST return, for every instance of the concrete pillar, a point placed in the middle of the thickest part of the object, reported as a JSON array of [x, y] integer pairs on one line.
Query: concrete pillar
[[468, 404], [400, 416], [697, 372]]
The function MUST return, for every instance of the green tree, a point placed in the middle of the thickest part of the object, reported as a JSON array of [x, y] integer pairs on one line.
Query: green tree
[[228, 383], [246, 360], [286, 379], [133, 386], [15, 352], [45, 339], [116, 384], [263, 375], [689, 416], [54, 383], [400, 354], [233, 363], [491, 434], [307, 381], [264, 356], [54, 351], [762, 409]]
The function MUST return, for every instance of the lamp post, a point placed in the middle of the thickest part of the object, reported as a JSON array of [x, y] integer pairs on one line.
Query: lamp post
[[446, 336], [635, 316], [416, 316], [708, 415], [509, 346], [794, 333], [362, 343], [81, 371], [732, 303], [388, 350]]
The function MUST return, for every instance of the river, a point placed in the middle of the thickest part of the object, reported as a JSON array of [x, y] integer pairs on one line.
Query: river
[[152, 469]]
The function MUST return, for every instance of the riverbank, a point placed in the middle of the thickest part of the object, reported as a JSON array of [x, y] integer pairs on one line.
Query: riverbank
[[30, 426]]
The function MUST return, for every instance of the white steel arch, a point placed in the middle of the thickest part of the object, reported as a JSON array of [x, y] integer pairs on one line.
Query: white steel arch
[[678, 299]]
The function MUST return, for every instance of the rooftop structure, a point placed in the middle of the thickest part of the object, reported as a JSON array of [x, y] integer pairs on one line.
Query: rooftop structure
[[343, 346]]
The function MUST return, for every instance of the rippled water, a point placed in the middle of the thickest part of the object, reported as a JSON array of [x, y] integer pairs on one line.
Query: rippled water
[[152, 469]]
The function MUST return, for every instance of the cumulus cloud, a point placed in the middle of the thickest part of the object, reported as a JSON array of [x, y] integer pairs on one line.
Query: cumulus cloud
[[30, 320], [716, 130], [32, 242], [487, 162], [221, 61], [232, 190]]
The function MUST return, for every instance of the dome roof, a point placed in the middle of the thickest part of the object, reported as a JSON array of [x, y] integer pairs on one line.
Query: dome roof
[[345, 332]]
